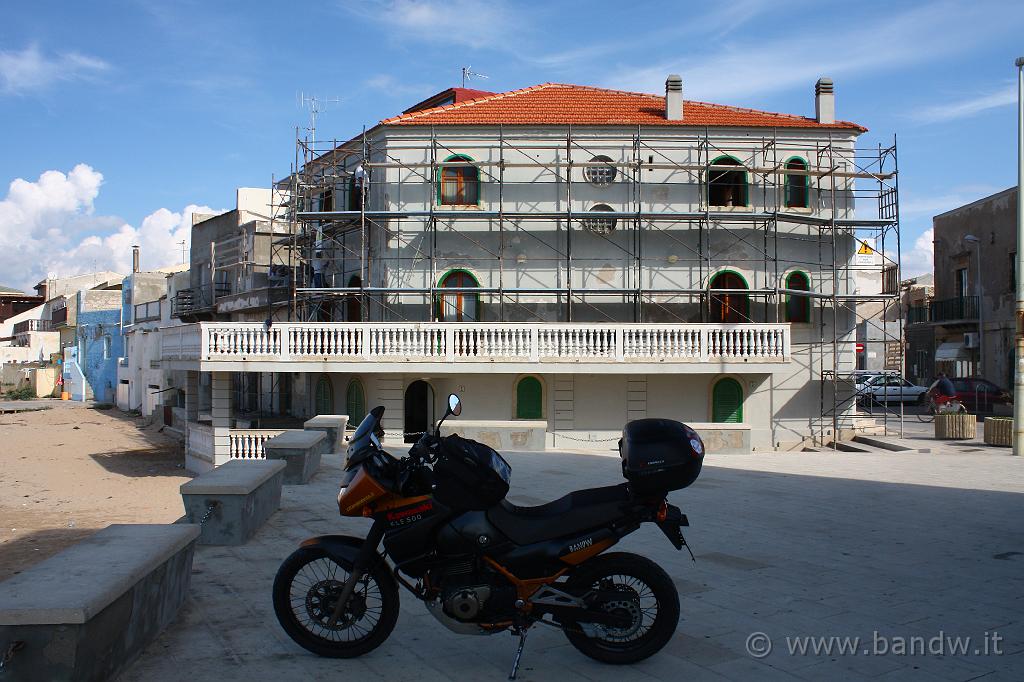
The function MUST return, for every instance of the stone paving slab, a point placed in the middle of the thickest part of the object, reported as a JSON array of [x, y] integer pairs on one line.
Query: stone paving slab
[[790, 545]]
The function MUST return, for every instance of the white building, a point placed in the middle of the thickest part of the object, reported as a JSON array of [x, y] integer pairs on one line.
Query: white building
[[567, 258]]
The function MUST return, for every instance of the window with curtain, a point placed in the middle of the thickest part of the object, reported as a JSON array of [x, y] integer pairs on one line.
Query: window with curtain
[[460, 184]]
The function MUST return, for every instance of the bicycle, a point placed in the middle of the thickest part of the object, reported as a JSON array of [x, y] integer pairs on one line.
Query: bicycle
[[942, 405]]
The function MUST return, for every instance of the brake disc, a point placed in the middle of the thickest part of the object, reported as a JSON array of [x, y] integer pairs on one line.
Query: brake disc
[[322, 598]]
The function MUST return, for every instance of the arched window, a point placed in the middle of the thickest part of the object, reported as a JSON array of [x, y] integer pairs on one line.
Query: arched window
[[729, 307], [529, 398], [459, 306], [727, 187], [727, 401], [355, 402], [324, 395], [798, 308], [460, 184], [797, 184]]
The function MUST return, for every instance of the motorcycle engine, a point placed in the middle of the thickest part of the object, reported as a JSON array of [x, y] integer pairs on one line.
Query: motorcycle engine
[[471, 594]]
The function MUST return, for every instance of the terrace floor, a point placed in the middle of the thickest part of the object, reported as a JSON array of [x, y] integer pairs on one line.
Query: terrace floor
[[790, 545]]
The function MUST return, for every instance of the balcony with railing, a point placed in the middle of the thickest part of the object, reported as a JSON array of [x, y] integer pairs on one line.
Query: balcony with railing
[[59, 316], [190, 301], [467, 347], [960, 309], [146, 312], [32, 326]]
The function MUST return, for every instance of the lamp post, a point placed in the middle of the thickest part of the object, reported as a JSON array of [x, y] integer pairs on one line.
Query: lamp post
[[1018, 375], [977, 288]]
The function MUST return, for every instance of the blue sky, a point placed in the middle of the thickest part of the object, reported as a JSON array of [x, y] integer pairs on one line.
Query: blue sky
[[123, 117]]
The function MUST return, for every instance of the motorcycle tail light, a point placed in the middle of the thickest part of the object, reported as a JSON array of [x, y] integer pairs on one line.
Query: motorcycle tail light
[[662, 511], [367, 511]]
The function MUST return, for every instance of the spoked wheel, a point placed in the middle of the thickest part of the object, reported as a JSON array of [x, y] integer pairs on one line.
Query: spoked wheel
[[306, 591], [929, 412], [640, 595]]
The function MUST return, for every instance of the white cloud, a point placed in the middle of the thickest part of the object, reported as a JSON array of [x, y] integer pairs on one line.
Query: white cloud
[[388, 84], [49, 225], [471, 23], [920, 260], [31, 70], [965, 108], [741, 69]]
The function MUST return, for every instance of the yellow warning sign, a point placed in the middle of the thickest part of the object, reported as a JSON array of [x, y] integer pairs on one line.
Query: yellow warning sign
[[865, 250]]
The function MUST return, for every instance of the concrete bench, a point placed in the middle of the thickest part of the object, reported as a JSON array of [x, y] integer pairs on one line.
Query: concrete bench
[[334, 426], [242, 494], [513, 434], [300, 450], [85, 613]]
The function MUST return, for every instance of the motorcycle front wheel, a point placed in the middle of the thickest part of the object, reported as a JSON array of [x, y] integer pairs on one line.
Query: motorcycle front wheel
[[306, 589], [649, 603]]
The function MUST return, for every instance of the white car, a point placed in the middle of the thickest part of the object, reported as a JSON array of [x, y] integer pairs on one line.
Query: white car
[[890, 388]]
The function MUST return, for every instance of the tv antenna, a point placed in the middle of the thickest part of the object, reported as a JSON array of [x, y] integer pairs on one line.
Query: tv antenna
[[315, 105], [468, 74], [182, 243]]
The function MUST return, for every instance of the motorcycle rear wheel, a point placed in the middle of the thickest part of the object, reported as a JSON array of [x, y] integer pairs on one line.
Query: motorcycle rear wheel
[[303, 591], [649, 598]]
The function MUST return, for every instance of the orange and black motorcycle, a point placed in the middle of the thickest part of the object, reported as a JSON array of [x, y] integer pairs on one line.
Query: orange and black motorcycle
[[482, 565]]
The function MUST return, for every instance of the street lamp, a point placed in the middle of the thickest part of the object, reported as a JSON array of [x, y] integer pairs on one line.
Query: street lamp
[[970, 238], [1018, 375]]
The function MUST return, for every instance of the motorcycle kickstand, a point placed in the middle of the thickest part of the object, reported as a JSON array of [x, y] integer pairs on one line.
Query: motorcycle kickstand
[[519, 651]]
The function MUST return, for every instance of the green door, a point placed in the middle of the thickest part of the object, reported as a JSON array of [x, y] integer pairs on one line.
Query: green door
[[324, 396], [529, 399], [727, 402], [355, 402]]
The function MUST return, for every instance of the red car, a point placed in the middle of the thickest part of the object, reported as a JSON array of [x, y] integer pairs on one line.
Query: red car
[[980, 395]]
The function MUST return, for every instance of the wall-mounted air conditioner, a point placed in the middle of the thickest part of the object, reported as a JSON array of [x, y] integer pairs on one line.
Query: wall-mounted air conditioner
[[971, 340]]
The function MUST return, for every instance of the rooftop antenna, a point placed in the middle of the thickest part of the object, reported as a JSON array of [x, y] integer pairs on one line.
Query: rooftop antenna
[[315, 106], [468, 74], [182, 242]]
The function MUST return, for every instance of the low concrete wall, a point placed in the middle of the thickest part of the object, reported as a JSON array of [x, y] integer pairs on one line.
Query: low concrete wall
[[243, 494], [85, 613], [719, 438], [518, 434]]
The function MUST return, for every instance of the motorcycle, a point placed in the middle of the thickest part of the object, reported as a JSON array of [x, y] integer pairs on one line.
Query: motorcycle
[[482, 565]]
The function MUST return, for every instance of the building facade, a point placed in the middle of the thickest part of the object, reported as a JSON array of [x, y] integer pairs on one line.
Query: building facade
[[567, 259]]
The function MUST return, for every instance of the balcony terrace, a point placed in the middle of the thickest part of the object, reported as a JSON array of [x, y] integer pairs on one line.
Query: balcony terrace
[[475, 347]]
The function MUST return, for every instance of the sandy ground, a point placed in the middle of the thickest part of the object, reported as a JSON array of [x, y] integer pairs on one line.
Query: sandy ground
[[69, 471]]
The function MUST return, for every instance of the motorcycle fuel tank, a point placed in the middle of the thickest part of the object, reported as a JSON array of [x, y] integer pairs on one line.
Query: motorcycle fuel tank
[[468, 532]]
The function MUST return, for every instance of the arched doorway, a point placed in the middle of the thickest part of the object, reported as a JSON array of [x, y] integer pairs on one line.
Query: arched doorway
[[355, 402], [460, 306], [419, 409], [324, 395], [727, 401], [353, 311], [728, 307], [529, 398]]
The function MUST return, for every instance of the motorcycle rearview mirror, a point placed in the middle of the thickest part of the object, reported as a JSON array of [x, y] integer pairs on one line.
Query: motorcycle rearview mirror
[[454, 408]]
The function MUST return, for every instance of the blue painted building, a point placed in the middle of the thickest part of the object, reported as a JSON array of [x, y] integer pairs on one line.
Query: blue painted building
[[90, 371]]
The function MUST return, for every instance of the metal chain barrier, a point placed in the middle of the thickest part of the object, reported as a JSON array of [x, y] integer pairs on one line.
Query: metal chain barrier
[[209, 513], [15, 646]]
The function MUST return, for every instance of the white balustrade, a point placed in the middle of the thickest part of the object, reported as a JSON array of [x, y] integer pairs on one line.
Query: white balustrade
[[248, 443], [199, 440], [478, 342]]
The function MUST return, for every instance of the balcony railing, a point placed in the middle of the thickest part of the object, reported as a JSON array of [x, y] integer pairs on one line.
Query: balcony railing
[[918, 313], [951, 309], [58, 316], [32, 326], [146, 312], [477, 342], [188, 301]]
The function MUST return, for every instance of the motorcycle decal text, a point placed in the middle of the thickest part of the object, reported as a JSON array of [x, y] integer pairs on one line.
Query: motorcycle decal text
[[582, 544], [402, 514]]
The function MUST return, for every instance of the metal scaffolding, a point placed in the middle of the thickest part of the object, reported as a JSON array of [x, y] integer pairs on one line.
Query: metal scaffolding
[[357, 247]]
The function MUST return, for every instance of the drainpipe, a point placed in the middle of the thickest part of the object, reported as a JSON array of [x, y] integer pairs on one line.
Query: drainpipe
[[1018, 377]]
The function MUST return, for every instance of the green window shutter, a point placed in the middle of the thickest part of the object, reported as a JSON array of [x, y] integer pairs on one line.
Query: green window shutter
[[727, 402], [529, 399], [324, 396], [355, 402]]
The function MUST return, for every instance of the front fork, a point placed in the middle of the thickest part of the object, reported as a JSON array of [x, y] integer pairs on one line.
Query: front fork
[[363, 561]]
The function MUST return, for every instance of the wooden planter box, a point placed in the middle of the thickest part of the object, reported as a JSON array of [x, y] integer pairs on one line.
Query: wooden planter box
[[999, 431], [955, 426]]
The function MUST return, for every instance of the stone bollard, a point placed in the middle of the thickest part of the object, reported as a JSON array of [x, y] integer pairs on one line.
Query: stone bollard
[[955, 426], [999, 431]]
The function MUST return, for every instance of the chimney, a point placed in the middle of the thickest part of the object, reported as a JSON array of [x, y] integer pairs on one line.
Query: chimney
[[135, 258], [824, 101], [674, 98]]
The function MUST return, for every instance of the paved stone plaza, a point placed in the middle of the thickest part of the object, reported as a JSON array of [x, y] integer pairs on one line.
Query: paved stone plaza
[[790, 545]]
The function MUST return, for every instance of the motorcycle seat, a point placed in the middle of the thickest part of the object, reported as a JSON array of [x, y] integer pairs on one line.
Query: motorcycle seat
[[572, 514]]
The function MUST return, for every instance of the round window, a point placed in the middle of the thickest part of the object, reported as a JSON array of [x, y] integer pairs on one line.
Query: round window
[[600, 225], [601, 175]]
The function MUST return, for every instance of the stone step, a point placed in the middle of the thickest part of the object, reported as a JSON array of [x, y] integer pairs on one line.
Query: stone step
[[891, 444]]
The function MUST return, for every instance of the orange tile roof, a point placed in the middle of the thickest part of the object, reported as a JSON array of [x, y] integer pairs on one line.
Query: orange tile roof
[[561, 104]]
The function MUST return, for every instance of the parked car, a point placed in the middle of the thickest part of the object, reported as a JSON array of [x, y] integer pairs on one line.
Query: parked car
[[891, 388], [980, 395]]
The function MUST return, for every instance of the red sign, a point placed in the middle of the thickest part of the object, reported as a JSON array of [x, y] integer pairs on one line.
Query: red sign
[[860, 347]]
